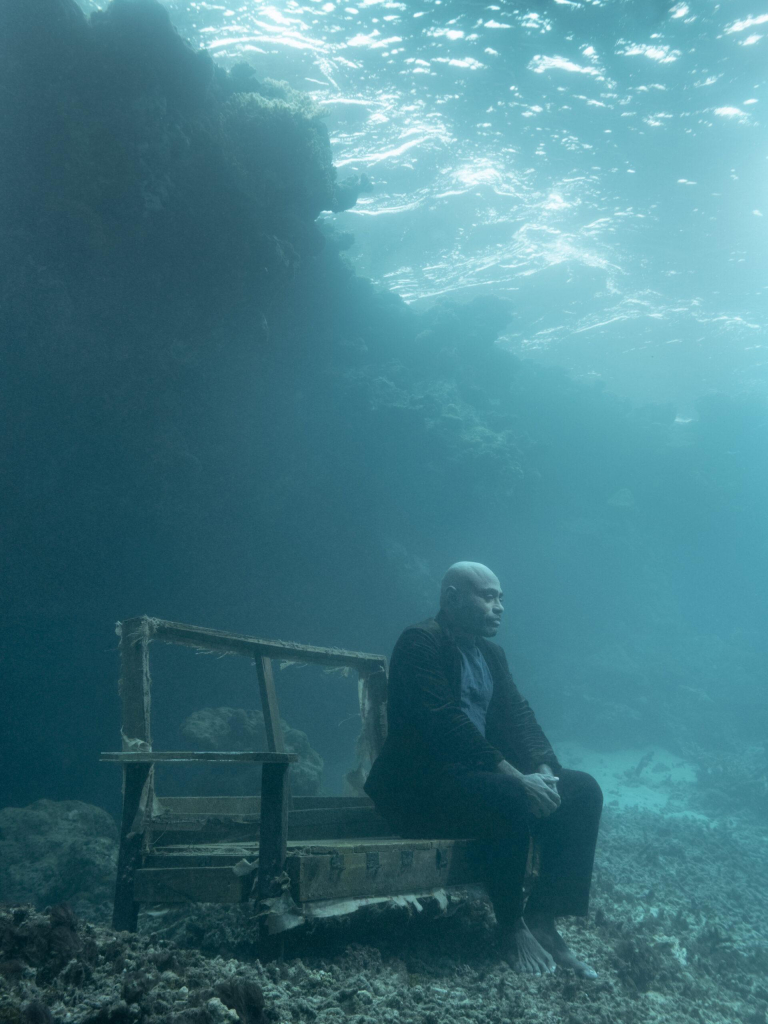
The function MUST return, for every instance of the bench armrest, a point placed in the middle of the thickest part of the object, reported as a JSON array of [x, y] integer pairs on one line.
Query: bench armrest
[[166, 756]]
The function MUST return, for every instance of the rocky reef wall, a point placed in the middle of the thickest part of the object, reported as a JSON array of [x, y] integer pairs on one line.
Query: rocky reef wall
[[208, 417], [54, 853]]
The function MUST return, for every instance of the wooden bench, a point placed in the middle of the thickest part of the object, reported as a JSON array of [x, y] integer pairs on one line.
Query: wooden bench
[[297, 858]]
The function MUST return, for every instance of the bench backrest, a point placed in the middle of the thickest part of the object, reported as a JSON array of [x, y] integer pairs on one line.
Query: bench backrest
[[220, 818]]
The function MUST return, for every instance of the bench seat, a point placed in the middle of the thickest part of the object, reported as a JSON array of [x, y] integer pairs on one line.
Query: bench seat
[[216, 872]]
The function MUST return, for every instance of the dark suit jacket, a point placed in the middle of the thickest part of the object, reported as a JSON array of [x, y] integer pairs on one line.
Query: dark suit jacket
[[427, 730]]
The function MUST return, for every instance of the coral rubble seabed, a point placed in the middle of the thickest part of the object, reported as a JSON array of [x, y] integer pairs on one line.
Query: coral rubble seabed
[[677, 932]]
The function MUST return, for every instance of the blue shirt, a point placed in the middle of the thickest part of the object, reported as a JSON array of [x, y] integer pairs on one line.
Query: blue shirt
[[476, 684]]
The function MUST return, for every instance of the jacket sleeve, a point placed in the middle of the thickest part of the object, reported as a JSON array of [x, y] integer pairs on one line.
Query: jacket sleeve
[[431, 708], [526, 737]]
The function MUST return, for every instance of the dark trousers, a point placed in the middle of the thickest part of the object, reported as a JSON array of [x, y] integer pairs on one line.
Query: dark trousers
[[491, 807]]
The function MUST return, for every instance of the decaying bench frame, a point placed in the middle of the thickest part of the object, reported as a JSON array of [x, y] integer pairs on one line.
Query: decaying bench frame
[[298, 859]]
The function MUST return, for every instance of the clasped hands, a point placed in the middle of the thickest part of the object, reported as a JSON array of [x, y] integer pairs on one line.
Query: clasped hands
[[540, 788]]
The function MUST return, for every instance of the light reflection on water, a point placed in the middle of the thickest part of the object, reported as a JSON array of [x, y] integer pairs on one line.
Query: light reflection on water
[[601, 163]]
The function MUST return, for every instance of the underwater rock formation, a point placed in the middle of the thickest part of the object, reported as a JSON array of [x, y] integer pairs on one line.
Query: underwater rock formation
[[142, 168], [54, 852], [244, 997], [238, 729]]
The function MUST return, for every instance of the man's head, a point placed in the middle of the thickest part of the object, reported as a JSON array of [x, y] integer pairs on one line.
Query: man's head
[[470, 598]]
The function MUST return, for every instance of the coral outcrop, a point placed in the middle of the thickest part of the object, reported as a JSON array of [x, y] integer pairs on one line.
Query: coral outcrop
[[240, 729], [58, 852]]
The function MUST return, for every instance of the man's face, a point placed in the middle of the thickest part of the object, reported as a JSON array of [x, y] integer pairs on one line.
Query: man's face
[[477, 607]]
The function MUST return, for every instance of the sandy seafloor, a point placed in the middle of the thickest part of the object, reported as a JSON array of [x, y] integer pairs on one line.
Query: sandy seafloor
[[677, 931]]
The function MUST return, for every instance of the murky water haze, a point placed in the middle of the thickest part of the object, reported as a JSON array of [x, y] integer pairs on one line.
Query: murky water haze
[[209, 419], [603, 164]]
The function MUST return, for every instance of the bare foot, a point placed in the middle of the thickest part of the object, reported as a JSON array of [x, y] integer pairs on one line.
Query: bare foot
[[551, 940], [524, 954]]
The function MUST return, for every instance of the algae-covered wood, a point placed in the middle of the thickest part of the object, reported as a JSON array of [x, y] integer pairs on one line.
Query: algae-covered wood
[[360, 823], [254, 647], [204, 855], [349, 869], [237, 819], [273, 826], [247, 805], [138, 778], [269, 708], [172, 756], [379, 868]]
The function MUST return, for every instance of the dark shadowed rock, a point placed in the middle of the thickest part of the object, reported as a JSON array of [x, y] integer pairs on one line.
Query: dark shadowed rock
[[44, 32], [244, 997], [37, 1013], [146, 53], [51, 852]]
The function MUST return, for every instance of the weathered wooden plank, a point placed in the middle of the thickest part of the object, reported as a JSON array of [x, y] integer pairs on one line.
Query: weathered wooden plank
[[253, 647], [385, 845], [191, 885], [309, 824], [320, 847], [152, 756], [204, 831], [125, 912], [249, 851], [248, 805], [269, 708], [204, 806], [326, 819], [201, 856], [401, 868], [216, 853], [135, 685], [372, 696], [274, 826]]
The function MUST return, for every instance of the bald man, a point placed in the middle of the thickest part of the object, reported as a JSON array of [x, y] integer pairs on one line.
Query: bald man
[[466, 758]]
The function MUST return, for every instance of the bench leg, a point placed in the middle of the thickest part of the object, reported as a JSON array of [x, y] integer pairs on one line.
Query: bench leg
[[125, 915], [273, 832]]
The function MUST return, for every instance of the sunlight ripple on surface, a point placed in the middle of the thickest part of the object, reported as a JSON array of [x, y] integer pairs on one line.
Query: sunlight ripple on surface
[[527, 155]]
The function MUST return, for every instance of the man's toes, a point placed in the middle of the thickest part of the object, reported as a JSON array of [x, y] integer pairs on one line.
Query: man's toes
[[518, 963], [538, 966], [585, 971]]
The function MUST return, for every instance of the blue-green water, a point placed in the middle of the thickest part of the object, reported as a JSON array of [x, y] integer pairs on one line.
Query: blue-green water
[[601, 163], [212, 415]]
